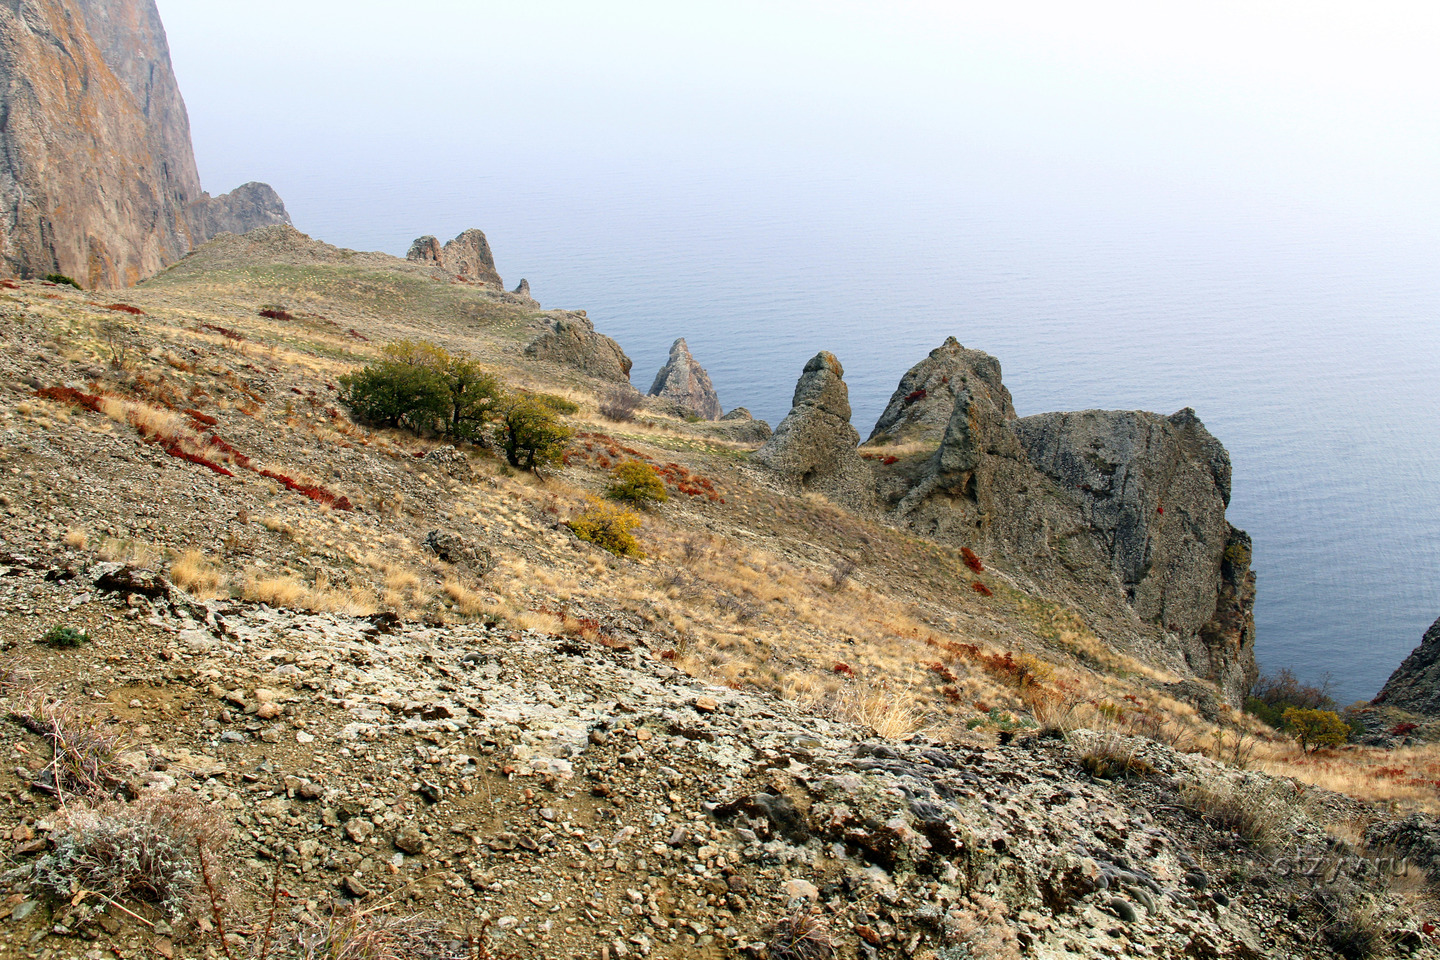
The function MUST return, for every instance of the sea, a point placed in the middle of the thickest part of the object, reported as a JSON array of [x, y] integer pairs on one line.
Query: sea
[[1308, 343]]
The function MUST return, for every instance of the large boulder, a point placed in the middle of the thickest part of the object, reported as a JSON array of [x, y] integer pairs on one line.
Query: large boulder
[[467, 257], [684, 382], [815, 447], [920, 408], [98, 179], [569, 338], [1415, 684]]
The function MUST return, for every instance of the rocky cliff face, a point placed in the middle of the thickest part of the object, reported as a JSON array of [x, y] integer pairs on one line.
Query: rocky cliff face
[[815, 445], [683, 381], [467, 257], [921, 407], [569, 338], [97, 176], [1415, 684]]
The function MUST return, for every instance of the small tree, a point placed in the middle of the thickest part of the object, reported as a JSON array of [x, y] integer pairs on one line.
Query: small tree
[[393, 393], [608, 527], [638, 483], [530, 434], [1316, 728]]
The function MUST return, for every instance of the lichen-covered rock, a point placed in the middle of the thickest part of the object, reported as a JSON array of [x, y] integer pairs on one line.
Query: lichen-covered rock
[[1415, 684], [683, 381], [921, 406], [740, 426], [569, 338], [98, 178], [815, 447]]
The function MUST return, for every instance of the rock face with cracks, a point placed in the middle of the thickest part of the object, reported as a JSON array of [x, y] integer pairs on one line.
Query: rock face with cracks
[[569, 338], [1415, 684], [684, 382], [815, 446], [921, 406], [97, 175]]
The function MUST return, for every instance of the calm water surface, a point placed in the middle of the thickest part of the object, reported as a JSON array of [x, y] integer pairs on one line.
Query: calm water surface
[[1309, 349]]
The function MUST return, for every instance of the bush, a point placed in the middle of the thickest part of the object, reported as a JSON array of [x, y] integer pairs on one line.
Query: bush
[[423, 387], [608, 527], [1274, 693], [556, 404], [65, 637], [636, 483], [1316, 728], [61, 278], [620, 404], [530, 435], [148, 850]]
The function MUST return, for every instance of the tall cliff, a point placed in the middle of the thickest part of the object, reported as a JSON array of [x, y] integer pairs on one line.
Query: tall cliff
[[97, 173]]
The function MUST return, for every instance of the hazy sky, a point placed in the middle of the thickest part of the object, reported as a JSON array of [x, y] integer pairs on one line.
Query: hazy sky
[[1311, 109]]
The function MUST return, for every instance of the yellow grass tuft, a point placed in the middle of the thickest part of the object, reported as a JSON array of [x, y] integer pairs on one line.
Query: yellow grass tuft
[[193, 573], [76, 537]]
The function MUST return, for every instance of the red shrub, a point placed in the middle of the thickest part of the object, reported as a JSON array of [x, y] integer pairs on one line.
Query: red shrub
[[202, 418], [1160, 510], [1401, 729], [843, 669], [917, 395], [270, 313], [9, 285], [227, 333], [125, 308], [889, 461], [981, 589], [358, 336], [971, 560], [668, 654], [71, 396], [174, 450]]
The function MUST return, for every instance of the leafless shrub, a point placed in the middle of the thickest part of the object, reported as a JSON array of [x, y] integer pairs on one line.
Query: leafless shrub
[[742, 611], [801, 936], [620, 404], [1262, 813], [117, 342], [147, 850], [372, 934], [692, 549], [86, 749], [841, 572]]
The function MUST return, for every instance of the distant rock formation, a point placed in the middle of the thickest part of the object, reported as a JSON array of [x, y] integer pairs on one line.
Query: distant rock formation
[[523, 290], [815, 446], [467, 257], [683, 381], [1415, 684], [738, 425], [569, 338], [921, 407], [98, 178], [1123, 505], [248, 207]]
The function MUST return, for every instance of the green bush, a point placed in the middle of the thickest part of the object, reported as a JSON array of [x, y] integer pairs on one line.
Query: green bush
[[636, 483], [424, 388], [530, 435], [1316, 728], [61, 278], [556, 404], [64, 637], [608, 527]]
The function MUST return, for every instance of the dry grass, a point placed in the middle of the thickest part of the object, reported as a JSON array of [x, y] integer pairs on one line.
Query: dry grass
[[85, 759], [886, 711], [291, 593], [134, 552], [193, 573], [1261, 812], [1403, 778], [76, 538]]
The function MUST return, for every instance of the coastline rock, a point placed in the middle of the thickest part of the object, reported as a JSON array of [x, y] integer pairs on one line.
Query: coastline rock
[[738, 425], [248, 207], [815, 447], [570, 339], [1415, 684], [683, 381], [921, 406], [1154, 490], [467, 257], [98, 180], [523, 290]]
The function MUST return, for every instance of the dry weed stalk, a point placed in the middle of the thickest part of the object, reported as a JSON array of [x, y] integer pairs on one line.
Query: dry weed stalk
[[86, 749]]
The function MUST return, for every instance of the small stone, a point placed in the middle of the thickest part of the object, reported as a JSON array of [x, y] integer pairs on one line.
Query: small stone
[[800, 890], [410, 840], [706, 704], [269, 710], [359, 830], [355, 887], [24, 910]]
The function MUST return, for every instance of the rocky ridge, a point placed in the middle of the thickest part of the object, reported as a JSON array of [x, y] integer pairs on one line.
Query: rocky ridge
[[98, 179], [684, 382], [467, 257]]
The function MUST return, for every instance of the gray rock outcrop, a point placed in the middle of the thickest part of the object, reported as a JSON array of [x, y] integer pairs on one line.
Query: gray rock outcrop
[[921, 406], [97, 174], [683, 381], [467, 257], [569, 338], [1415, 684], [815, 447], [523, 289], [248, 207]]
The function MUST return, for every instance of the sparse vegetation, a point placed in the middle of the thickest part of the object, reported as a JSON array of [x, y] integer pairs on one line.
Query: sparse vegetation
[[85, 751], [621, 404], [803, 935], [64, 636], [1258, 811], [147, 850]]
